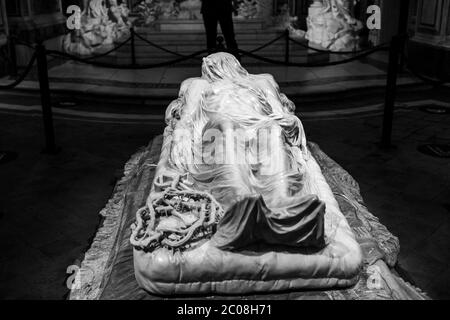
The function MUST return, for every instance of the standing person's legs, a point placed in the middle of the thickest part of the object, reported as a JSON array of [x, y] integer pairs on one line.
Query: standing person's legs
[[226, 24], [210, 21]]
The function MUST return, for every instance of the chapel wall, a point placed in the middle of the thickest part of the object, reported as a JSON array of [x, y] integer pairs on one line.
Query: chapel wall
[[3, 38], [33, 21], [429, 48]]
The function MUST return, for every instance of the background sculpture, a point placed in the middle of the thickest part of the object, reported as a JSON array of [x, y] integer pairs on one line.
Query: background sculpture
[[102, 25], [150, 11], [248, 9], [332, 26]]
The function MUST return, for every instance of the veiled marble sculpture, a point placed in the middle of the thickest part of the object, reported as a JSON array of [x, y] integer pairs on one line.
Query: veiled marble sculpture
[[238, 204], [332, 26], [101, 26]]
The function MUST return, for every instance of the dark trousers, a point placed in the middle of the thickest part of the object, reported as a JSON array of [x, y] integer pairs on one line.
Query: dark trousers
[[210, 19]]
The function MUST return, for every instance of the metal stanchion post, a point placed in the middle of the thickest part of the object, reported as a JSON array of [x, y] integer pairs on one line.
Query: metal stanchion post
[[286, 48], [391, 90], [47, 116], [133, 47]]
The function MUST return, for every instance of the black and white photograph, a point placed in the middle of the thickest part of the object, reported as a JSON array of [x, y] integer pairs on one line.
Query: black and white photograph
[[225, 155]]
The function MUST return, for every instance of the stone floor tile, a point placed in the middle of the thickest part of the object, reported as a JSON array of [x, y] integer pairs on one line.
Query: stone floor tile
[[437, 244], [440, 286]]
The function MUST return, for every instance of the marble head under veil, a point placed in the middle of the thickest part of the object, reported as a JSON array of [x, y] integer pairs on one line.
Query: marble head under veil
[[222, 66]]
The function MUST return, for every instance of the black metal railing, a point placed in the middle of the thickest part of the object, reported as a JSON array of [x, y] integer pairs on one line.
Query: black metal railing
[[40, 54]]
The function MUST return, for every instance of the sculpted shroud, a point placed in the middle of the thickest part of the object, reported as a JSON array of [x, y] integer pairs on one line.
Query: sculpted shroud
[[332, 26], [253, 215]]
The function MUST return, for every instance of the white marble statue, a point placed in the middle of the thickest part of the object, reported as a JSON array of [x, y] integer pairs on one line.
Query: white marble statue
[[230, 134], [167, 9], [332, 26], [248, 9], [102, 25], [237, 200], [118, 14], [148, 12]]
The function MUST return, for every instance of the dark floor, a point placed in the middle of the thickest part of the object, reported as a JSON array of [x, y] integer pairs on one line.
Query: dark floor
[[49, 204]]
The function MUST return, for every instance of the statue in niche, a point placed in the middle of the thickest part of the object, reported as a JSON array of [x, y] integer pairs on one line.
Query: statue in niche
[[97, 10], [148, 12], [331, 25], [118, 14], [102, 24], [168, 9], [248, 9]]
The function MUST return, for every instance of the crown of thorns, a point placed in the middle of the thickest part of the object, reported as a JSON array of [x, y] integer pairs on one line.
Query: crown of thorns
[[176, 218]]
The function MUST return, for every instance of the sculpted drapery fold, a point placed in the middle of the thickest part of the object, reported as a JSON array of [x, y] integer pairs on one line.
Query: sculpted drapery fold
[[234, 136]]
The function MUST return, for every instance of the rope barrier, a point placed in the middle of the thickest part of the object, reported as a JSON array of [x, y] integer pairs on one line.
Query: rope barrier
[[251, 53], [41, 54], [23, 76], [320, 64], [336, 52], [131, 66], [108, 52], [21, 42], [181, 55], [268, 43], [158, 46]]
